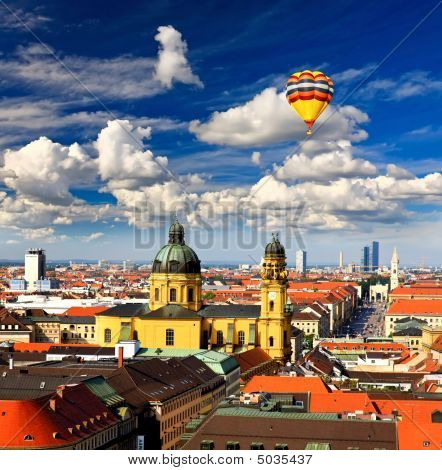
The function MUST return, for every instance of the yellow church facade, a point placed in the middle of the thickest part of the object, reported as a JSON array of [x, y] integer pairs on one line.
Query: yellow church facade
[[177, 318]]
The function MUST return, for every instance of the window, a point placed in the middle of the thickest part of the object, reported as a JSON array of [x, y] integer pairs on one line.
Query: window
[[280, 446], [157, 293], [190, 294], [172, 295], [232, 445], [219, 338], [271, 341], [207, 445], [271, 305], [107, 335], [318, 446], [28, 437], [257, 446], [170, 334], [241, 338]]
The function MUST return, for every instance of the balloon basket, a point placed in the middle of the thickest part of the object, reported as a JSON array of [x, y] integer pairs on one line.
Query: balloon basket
[[309, 132]]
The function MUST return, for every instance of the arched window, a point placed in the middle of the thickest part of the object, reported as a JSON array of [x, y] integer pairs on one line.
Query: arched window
[[241, 338], [219, 338], [107, 335], [170, 337], [190, 294], [271, 305], [172, 295], [271, 341], [157, 293]]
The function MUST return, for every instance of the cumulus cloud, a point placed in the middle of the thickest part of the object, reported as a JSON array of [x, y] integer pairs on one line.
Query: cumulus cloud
[[267, 119], [172, 64], [335, 160], [122, 160], [43, 170]]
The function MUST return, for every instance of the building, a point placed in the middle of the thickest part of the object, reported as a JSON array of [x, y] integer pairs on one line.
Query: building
[[234, 427], [341, 260], [378, 292], [35, 267], [34, 416], [428, 311], [312, 320], [301, 261], [177, 318], [394, 271], [374, 261], [411, 292], [365, 259]]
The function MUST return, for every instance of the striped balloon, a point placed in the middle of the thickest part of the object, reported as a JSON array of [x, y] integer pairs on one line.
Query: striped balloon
[[309, 93]]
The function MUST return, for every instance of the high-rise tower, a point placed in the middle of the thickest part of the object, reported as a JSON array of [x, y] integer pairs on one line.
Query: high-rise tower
[[274, 326], [35, 267]]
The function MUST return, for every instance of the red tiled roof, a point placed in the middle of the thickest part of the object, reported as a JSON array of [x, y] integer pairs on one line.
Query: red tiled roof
[[44, 347], [282, 384], [85, 311], [415, 307], [55, 420], [252, 358]]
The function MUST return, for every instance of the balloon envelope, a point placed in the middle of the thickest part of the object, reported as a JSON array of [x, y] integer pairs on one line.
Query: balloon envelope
[[309, 93]]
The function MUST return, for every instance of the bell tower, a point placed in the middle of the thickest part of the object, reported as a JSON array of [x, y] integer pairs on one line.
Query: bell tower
[[394, 273], [274, 326]]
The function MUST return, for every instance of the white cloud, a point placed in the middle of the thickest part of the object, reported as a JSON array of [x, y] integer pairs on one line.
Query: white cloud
[[267, 119], [12, 242], [172, 65], [122, 160], [333, 162], [256, 158], [398, 172], [92, 237], [19, 19], [44, 171], [416, 83]]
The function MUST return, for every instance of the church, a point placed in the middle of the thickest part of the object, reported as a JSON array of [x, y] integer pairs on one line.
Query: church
[[177, 318]]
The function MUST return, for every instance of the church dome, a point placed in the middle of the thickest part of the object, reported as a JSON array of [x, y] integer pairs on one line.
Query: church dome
[[176, 256], [274, 248]]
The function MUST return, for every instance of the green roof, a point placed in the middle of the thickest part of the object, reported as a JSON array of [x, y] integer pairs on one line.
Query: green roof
[[220, 363], [99, 387], [256, 413]]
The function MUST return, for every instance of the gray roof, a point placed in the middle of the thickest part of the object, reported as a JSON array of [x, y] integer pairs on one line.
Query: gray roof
[[412, 331], [26, 387], [172, 311], [230, 311], [88, 320], [126, 310]]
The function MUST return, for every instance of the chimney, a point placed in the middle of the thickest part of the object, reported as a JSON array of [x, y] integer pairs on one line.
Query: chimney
[[11, 362], [120, 357]]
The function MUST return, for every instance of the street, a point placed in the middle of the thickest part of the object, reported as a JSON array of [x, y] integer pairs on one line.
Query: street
[[368, 320]]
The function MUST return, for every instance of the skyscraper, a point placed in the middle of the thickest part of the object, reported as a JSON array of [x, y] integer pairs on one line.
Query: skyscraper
[[301, 261], [375, 256], [365, 259], [341, 260], [35, 267]]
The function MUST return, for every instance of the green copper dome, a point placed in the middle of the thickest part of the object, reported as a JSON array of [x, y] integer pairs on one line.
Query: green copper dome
[[275, 247], [176, 256]]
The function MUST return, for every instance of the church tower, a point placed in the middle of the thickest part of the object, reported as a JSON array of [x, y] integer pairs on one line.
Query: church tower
[[274, 328], [176, 274], [394, 272]]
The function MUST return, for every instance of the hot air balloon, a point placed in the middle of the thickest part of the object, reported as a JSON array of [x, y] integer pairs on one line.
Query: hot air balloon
[[309, 93]]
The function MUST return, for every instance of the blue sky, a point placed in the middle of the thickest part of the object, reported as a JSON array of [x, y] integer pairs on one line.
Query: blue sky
[[167, 107]]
